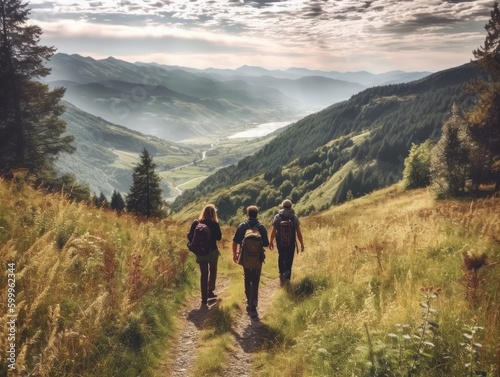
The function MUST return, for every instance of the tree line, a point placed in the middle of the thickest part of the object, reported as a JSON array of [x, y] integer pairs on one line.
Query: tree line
[[466, 157]]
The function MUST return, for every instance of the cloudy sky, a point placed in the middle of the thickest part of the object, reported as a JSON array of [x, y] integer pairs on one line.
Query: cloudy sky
[[335, 35]]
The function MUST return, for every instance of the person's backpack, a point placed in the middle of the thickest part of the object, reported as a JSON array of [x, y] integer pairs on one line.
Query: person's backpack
[[199, 243], [251, 250], [286, 232]]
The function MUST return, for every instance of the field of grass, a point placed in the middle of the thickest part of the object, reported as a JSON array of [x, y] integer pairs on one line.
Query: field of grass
[[391, 284], [95, 293]]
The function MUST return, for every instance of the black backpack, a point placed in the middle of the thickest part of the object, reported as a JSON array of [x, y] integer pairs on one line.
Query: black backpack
[[199, 243], [286, 232]]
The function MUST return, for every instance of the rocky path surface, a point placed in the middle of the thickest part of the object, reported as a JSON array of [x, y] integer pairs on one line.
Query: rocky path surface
[[247, 333]]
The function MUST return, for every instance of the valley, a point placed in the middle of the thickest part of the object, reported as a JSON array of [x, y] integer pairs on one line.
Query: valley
[[209, 130], [127, 178], [218, 152]]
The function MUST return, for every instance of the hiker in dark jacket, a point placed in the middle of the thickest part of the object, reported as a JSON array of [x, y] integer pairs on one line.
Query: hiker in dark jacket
[[208, 263], [252, 276], [286, 246]]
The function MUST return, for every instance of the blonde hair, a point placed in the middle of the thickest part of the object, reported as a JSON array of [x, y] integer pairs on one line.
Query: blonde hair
[[209, 213]]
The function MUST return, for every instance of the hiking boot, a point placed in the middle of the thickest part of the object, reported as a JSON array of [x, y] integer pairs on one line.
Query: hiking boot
[[211, 294], [253, 312]]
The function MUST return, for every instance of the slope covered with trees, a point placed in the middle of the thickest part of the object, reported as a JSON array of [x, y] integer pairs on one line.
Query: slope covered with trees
[[364, 139]]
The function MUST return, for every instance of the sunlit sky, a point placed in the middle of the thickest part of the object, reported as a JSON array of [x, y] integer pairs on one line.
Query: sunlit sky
[[333, 35]]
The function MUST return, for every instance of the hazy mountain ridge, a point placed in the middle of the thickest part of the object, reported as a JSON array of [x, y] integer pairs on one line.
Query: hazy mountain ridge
[[176, 103], [371, 133], [363, 78], [169, 104]]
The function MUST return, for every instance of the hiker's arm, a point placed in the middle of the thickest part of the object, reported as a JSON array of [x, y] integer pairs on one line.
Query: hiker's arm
[[271, 241], [235, 252], [301, 240], [265, 238], [218, 232]]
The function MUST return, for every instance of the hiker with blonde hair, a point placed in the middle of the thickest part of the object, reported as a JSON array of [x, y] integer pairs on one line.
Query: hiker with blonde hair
[[207, 261]]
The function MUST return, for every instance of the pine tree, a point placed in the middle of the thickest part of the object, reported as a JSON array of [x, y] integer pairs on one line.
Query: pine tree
[[145, 196], [100, 201], [31, 133], [488, 56], [485, 117], [117, 202]]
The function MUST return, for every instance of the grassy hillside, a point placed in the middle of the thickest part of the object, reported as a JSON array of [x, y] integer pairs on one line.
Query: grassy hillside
[[372, 269], [97, 294], [391, 284]]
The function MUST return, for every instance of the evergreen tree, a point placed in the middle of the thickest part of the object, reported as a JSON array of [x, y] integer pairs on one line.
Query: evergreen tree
[[485, 117], [417, 166], [145, 196], [31, 133], [117, 202], [100, 201], [450, 159]]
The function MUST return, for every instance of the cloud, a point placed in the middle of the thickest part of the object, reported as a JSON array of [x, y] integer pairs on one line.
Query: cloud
[[315, 32]]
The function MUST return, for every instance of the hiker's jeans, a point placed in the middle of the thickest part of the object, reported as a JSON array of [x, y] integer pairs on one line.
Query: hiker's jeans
[[252, 280], [285, 262], [207, 278]]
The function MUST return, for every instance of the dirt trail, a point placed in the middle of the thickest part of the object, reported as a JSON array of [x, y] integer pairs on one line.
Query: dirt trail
[[247, 333]]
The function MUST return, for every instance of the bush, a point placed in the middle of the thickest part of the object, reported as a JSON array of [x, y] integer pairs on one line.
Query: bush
[[417, 166]]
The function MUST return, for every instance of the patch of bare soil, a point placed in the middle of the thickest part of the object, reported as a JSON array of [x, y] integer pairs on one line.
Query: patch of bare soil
[[248, 333]]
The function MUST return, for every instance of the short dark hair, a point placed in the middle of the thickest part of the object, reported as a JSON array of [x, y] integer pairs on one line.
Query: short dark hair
[[252, 211]]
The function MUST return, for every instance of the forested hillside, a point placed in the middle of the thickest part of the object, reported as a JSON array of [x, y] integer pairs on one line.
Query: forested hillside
[[354, 146], [106, 152]]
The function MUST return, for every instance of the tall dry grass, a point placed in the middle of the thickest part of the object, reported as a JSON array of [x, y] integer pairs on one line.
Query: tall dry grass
[[363, 273], [95, 291]]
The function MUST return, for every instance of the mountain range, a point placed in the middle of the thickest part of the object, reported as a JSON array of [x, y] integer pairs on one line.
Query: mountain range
[[177, 103], [345, 150], [116, 108]]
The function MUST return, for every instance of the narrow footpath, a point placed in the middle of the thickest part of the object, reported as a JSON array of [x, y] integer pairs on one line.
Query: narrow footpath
[[248, 333]]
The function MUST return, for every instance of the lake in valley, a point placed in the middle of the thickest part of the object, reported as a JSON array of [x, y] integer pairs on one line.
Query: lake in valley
[[259, 130]]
